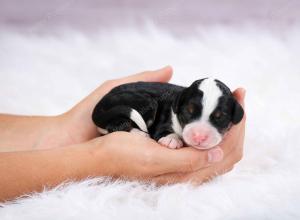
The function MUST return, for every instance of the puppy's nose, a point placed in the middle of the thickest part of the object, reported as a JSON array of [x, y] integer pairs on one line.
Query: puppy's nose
[[199, 138]]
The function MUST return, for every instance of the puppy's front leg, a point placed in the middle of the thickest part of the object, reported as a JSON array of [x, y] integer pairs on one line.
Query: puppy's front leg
[[165, 135], [172, 141]]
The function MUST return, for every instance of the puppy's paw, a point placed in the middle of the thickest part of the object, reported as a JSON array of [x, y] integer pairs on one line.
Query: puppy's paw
[[172, 141], [139, 132]]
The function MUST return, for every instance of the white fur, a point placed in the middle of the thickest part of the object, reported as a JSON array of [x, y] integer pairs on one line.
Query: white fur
[[102, 131], [214, 137], [138, 119], [48, 74], [211, 95], [175, 124], [172, 141]]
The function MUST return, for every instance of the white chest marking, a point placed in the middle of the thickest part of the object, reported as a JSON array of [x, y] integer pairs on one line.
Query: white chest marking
[[175, 124]]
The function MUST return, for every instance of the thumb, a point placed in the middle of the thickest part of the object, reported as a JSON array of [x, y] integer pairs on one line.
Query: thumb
[[161, 75]]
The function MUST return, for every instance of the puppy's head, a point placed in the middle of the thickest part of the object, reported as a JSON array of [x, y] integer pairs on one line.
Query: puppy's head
[[205, 111]]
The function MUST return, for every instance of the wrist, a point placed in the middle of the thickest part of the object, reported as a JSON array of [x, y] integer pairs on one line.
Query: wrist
[[78, 125], [85, 160], [53, 133], [23, 133]]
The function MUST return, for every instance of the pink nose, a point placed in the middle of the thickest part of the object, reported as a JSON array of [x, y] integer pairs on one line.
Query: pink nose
[[199, 138]]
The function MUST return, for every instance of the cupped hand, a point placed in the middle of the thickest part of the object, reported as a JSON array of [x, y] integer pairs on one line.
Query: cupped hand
[[231, 149], [138, 157], [77, 122]]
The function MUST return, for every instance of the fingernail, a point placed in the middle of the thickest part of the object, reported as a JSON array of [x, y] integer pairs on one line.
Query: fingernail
[[244, 92], [215, 155]]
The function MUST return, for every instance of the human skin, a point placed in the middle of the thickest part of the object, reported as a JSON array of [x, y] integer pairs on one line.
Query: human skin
[[46, 151]]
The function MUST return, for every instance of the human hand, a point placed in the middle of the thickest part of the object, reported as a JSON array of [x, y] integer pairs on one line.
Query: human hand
[[137, 157], [78, 121], [23, 133], [118, 154], [231, 151]]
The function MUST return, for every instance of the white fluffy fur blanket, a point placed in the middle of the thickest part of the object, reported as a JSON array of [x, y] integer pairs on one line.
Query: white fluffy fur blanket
[[48, 73]]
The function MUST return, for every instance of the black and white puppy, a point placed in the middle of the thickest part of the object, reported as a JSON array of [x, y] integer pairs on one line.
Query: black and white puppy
[[198, 115]]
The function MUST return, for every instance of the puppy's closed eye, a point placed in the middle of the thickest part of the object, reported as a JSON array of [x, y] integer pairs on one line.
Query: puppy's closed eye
[[191, 108], [218, 115]]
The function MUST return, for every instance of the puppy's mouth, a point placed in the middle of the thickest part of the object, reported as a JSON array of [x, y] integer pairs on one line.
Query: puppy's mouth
[[203, 146]]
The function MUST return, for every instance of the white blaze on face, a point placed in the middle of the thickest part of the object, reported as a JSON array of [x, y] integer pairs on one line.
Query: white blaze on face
[[201, 133]]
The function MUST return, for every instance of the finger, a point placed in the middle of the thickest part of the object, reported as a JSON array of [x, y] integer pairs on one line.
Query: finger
[[170, 178], [205, 174], [155, 159], [233, 137], [161, 75], [175, 178], [211, 172], [240, 94], [187, 159], [198, 177]]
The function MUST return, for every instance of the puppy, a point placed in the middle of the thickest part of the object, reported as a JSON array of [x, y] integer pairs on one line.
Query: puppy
[[198, 115]]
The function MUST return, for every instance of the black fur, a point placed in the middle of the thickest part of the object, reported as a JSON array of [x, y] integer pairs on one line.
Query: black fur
[[154, 102]]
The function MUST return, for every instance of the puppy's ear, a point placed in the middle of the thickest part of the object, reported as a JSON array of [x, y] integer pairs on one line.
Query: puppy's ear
[[185, 95], [237, 112]]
